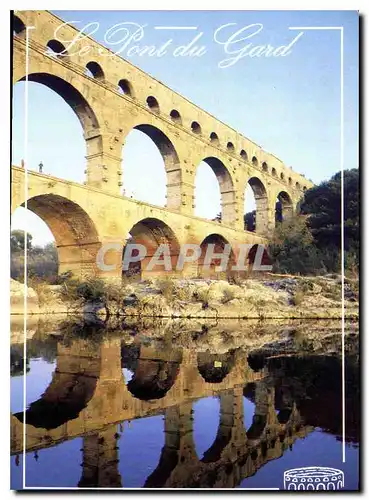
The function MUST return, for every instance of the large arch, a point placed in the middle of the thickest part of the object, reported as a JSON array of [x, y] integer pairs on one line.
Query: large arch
[[78, 103], [226, 186], [171, 163], [260, 224], [151, 233], [75, 234], [217, 243]]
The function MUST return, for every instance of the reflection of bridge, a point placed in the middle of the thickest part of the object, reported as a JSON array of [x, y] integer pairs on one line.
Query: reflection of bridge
[[88, 397], [110, 101]]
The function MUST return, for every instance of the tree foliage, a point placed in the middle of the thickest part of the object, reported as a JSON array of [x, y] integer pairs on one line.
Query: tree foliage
[[311, 243], [42, 262]]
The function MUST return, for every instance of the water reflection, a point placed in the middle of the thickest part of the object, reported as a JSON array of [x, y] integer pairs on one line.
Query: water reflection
[[139, 409]]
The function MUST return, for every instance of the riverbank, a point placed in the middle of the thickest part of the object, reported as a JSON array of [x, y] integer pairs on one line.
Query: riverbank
[[270, 297]]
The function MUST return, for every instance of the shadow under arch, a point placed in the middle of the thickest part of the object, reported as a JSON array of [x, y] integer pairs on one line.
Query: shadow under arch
[[75, 234], [151, 233], [226, 186], [79, 105], [215, 367], [218, 243], [171, 162], [152, 377]]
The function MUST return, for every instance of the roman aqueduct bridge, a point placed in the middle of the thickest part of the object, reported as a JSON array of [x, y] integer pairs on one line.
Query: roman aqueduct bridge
[[111, 97]]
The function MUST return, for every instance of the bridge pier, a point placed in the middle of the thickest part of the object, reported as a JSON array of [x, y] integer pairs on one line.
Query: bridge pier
[[100, 460]]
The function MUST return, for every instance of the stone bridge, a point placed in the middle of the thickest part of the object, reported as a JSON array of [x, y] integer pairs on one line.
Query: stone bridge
[[111, 97], [88, 397]]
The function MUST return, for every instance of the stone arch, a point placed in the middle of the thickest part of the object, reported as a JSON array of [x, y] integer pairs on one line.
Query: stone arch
[[264, 166], [218, 243], [171, 163], [151, 233], [153, 377], [94, 70], [230, 147], [255, 161], [19, 28], [196, 127], [243, 155], [297, 185], [214, 139], [226, 186], [176, 117], [213, 368], [75, 234], [125, 87], [78, 103], [285, 205], [153, 104], [261, 202], [282, 176], [290, 181], [274, 172], [57, 49]]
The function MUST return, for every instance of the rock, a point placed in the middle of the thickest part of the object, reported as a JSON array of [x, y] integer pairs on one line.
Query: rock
[[17, 294]]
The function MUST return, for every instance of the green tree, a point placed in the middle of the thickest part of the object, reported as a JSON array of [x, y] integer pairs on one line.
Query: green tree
[[17, 241], [249, 220], [292, 248], [322, 204]]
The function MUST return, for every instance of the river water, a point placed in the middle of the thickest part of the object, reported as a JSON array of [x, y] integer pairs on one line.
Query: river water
[[137, 409]]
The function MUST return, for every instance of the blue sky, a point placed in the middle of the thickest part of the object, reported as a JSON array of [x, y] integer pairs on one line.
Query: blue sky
[[288, 105]]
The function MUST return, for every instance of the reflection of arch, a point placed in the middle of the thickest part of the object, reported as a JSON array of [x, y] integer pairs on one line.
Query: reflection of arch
[[151, 233], [74, 393], [66, 396], [286, 205], [226, 188], [261, 201], [217, 243], [153, 378], [215, 367], [284, 415], [77, 102], [75, 234], [171, 162]]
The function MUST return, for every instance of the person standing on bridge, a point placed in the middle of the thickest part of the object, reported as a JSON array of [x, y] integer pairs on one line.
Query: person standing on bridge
[[40, 167]]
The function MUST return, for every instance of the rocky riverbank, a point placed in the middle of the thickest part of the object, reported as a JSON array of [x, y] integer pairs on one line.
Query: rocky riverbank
[[273, 297]]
